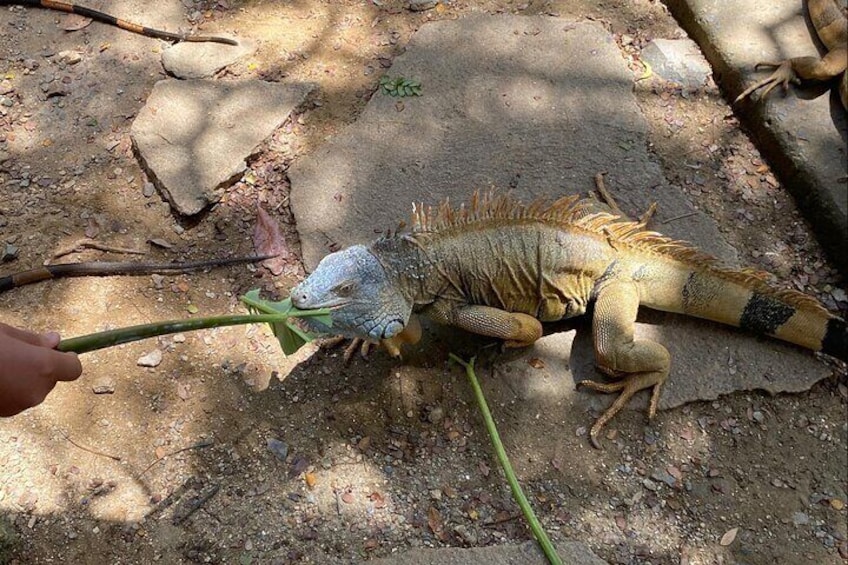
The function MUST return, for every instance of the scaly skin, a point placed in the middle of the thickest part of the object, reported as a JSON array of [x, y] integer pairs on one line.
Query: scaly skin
[[499, 268], [831, 24]]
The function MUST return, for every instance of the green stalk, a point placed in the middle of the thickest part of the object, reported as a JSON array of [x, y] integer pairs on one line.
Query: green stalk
[[541, 537], [101, 340]]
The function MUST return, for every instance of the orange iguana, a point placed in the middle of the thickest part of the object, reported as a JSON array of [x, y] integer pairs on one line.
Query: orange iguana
[[499, 268], [830, 20], [123, 24]]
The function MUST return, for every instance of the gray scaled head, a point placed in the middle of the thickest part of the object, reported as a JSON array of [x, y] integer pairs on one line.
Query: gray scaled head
[[355, 287]]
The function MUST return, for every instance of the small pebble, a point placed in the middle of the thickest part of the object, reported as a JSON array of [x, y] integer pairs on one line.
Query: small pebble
[[152, 359]]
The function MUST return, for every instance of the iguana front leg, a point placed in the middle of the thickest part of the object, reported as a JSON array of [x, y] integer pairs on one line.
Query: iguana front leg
[[800, 68], [641, 364], [515, 328]]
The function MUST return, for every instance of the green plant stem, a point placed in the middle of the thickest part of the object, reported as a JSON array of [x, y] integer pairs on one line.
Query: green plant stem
[[517, 493], [100, 340]]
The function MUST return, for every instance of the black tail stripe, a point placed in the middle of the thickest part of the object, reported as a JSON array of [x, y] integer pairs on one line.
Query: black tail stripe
[[835, 340], [765, 314]]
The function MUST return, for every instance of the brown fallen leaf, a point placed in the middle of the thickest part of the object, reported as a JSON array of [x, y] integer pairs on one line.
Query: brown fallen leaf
[[74, 22], [536, 363], [268, 240], [728, 537], [310, 479], [434, 519]]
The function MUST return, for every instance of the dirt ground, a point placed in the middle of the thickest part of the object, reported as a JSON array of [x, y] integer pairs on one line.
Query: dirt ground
[[227, 453]]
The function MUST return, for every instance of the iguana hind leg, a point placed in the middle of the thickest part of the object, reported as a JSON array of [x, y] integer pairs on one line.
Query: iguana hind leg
[[640, 363]]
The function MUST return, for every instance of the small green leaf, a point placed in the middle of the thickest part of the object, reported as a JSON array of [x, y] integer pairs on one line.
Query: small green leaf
[[192, 309]]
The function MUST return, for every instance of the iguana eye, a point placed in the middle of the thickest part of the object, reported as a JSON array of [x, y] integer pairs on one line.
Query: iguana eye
[[345, 289]]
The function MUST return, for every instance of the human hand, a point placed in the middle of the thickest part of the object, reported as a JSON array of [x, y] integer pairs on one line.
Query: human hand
[[30, 367]]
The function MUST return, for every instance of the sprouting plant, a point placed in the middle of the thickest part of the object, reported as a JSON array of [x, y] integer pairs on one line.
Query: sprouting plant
[[399, 86]]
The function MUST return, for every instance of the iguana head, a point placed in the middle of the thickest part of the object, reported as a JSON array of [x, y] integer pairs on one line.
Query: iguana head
[[362, 299]]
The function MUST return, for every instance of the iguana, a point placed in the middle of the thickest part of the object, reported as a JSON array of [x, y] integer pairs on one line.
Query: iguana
[[122, 24], [499, 268], [104, 268], [830, 20]]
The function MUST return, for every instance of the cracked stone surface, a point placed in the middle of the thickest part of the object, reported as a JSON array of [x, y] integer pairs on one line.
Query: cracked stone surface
[[194, 136]]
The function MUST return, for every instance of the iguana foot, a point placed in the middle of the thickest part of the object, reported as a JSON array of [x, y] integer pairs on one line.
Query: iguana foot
[[608, 199], [783, 75], [628, 387]]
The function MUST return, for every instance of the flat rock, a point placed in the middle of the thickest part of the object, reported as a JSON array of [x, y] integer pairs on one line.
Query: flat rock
[[536, 105], [528, 553], [194, 136], [803, 133], [678, 60], [202, 60]]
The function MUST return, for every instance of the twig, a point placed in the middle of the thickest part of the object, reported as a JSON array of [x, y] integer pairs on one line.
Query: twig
[[90, 450], [494, 523], [195, 505], [88, 243], [518, 494], [201, 444], [680, 217], [601, 187]]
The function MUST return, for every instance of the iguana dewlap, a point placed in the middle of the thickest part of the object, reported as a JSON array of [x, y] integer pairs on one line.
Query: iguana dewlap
[[830, 20], [499, 268]]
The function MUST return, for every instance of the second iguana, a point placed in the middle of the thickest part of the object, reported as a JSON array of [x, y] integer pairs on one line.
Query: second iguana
[[830, 21], [499, 268]]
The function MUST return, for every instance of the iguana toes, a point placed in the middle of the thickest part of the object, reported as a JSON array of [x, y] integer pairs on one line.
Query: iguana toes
[[499, 268], [123, 24], [830, 21], [102, 269]]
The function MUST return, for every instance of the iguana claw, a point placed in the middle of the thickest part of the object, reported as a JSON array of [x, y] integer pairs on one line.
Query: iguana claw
[[783, 75], [628, 387]]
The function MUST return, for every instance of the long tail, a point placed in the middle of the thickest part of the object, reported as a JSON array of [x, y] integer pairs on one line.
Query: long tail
[[745, 300], [105, 18]]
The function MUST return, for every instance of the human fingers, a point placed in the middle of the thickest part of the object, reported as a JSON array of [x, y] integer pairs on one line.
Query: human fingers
[[65, 366], [42, 340]]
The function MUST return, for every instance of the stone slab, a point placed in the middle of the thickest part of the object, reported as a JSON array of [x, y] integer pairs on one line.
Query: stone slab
[[194, 136], [202, 60], [803, 133], [528, 553], [679, 61], [538, 105]]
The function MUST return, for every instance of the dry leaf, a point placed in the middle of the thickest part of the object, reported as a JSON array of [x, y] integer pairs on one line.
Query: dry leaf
[[364, 443], [434, 519], [347, 498], [728, 537], [536, 363], [310, 479], [378, 499], [837, 504], [74, 22], [268, 240], [159, 242], [371, 544], [160, 452]]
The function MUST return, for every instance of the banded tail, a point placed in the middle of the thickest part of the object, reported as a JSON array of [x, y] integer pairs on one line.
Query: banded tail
[[745, 300], [109, 19]]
